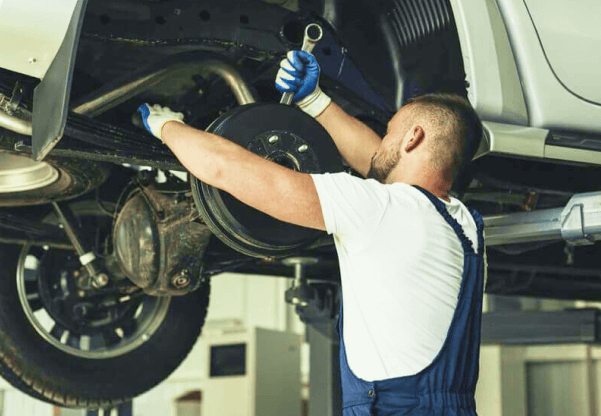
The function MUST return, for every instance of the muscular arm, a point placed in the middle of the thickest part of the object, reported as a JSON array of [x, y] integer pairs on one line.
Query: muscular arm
[[355, 141], [264, 185]]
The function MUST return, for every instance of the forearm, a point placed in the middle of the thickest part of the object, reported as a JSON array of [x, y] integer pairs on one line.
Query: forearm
[[355, 141], [262, 184], [205, 155]]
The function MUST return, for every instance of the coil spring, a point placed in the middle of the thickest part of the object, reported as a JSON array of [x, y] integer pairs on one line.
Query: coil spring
[[415, 20]]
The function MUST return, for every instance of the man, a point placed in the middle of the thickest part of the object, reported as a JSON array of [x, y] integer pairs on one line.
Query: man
[[410, 255]]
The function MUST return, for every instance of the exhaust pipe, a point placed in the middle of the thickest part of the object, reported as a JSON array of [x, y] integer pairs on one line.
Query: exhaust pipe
[[114, 94], [13, 123]]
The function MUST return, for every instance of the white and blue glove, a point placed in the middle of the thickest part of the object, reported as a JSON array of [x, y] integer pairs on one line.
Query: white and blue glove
[[299, 74], [154, 118]]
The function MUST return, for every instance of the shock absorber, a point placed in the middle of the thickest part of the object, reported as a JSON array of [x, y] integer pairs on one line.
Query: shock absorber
[[86, 257]]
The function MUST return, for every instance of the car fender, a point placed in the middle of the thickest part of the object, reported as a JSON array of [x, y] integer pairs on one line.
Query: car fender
[[494, 87], [31, 33]]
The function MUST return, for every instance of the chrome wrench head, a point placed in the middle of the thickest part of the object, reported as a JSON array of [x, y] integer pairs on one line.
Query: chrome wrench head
[[313, 34]]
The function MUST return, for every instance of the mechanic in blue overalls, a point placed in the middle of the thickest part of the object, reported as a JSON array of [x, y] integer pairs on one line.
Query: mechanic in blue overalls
[[411, 256]]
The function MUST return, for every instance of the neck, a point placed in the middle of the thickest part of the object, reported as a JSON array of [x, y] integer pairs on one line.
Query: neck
[[432, 182]]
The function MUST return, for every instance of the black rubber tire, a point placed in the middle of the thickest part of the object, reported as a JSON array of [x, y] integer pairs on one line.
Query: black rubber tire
[[44, 372]]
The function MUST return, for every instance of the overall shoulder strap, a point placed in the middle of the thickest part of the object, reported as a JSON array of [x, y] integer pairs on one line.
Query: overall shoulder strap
[[440, 207], [480, 225]]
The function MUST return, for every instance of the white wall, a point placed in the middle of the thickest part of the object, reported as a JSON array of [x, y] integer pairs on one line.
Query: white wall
[[254, 300]]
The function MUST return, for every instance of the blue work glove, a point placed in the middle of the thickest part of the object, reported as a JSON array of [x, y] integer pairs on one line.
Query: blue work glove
[[299, 74], [154, 118]]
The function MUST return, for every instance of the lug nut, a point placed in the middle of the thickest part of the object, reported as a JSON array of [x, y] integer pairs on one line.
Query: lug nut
[[303, 148]]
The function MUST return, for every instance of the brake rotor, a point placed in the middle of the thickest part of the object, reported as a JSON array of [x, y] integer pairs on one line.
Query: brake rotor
[[285, 135]]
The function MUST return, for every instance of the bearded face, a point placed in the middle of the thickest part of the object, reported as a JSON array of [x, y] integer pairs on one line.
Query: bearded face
[[388, 155], [383, 162]]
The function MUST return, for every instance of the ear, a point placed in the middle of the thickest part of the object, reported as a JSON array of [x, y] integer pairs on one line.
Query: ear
[[416, 138]]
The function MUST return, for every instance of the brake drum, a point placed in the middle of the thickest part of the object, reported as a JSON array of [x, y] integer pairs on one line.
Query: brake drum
[[285, 135]]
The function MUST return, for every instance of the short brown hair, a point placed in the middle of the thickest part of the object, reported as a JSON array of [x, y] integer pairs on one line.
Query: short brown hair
[[459, 123]]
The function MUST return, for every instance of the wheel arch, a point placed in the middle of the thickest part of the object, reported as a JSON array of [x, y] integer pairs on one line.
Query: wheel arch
[[385, 39]]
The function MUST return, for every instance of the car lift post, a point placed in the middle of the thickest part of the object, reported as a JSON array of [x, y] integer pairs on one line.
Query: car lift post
[[325, 391], [317, 306]]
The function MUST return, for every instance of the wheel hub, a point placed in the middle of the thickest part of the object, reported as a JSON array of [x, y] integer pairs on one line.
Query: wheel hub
[[286, 136], [287, 149], [20, 173], [83, 311]]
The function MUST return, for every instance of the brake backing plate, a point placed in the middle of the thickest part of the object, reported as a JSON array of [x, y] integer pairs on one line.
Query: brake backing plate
[[285, 135]]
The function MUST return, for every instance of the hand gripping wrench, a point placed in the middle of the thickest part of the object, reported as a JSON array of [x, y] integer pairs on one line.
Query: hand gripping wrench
[[313, 34]]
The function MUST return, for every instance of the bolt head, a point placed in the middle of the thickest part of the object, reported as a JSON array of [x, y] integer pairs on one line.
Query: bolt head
[[81, 293], [273, 139], [76, 273], [181, 280], [303, 148], [32, 60], [100, 280]]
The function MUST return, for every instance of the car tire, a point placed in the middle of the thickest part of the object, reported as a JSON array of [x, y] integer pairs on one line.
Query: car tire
[[39, 369]]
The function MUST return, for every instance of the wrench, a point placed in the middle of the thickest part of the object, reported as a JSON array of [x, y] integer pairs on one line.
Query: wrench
[[313, 34]]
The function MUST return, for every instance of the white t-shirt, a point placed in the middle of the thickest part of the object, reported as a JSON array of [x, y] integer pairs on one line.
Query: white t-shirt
[[401, 265]]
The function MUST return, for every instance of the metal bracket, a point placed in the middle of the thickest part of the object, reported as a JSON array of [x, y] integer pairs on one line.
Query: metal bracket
[[581, 219], [51, 96]]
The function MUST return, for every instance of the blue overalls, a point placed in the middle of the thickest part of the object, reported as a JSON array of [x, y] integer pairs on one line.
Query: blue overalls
[[447, 385]]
